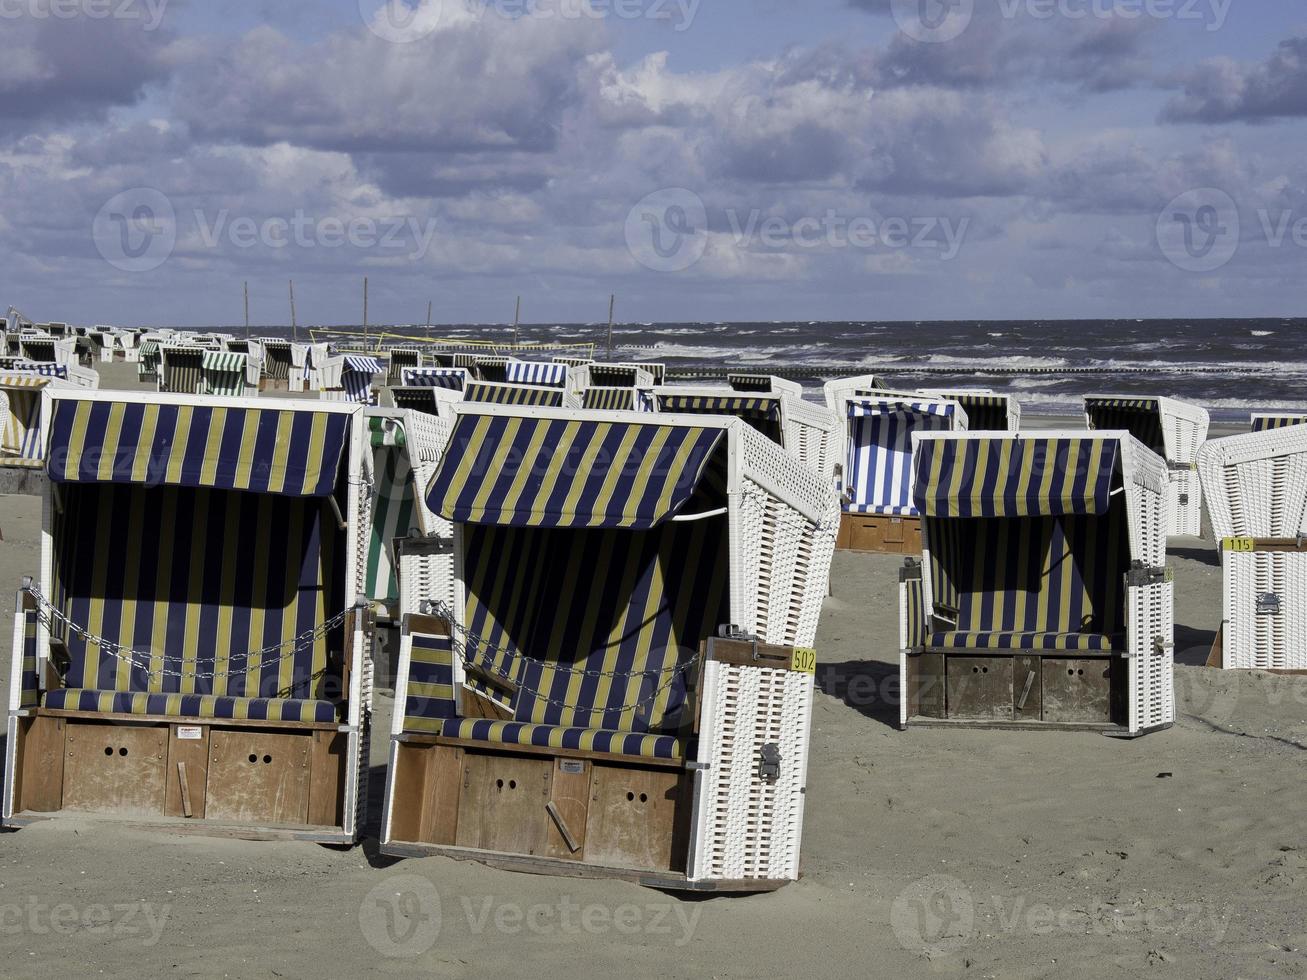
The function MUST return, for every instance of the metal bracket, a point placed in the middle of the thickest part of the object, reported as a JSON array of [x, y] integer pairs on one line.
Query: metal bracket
[[769, 766], [1268, 604]]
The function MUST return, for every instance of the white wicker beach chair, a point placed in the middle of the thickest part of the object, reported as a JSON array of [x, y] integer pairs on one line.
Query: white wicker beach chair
[[1174, 430], [617, 688], [352, 378], [875, 477], [1256, 488], [193, 650], [1041, 599], [987, 410], [181, 369]]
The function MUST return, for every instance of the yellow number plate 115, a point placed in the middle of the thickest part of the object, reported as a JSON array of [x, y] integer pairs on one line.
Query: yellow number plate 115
[[1238, 545]]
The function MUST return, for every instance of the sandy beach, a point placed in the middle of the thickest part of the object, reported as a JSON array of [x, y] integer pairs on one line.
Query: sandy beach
[[926, 853]]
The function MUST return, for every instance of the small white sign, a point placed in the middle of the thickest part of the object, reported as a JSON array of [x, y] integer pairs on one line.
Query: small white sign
[[194, 732]]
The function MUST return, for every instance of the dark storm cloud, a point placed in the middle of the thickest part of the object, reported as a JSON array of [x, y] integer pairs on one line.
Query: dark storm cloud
[[1223, 91]]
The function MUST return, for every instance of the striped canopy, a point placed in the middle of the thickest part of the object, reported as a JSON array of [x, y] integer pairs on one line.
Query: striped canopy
[[535, 373], [435, 377], [1141, 417], [878, 474], [1028, 477], [534, 472], [289, 453], [1263, 423], [362, 364], [21, 432], [611, 400], [506, 394], [750, 382], [223, 362], [40, 368], [985, 413]]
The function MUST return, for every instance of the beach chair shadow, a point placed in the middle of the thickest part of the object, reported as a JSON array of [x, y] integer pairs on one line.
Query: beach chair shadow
[[1204, 556], [869, 687], [1193, 646]]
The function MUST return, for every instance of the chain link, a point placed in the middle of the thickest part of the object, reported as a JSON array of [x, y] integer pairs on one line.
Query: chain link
[[51, 615]]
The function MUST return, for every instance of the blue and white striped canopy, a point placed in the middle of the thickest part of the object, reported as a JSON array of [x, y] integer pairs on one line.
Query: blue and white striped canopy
[[516, 471], [363, 365], [435, 377], [1028, 477], [536, 373], [290, 453], [878, 475]]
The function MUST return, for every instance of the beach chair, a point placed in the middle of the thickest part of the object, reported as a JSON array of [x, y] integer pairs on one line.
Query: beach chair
[[22, 442], [278, 364], [549, 375], [1174, 430], [487, 367], [876, 478], [147, 361], [987, 411], [618, 400], [405, 448], [102, 344], [622, 376], [1256, 489], [1041, 599], [352, 378], [181, 369], [1261, 421], [230, 373], [451, 378], [401, 358], [619, 687], [193, 651], [808, 432]]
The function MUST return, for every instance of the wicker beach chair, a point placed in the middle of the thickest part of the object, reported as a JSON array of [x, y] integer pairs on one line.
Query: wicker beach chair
[[1256, 489], [229, 373], [877, 476], [810, 433], [193, 650], [615, 689], [1044, 600], [619, 400], [987, 411], [352, 378], [181, 369], [278, 364], [1174, 430], [452, 378], [399, 359]]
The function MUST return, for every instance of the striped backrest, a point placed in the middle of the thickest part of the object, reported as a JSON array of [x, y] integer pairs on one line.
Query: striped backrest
[[418, 399], [394, 505], [593, 624], [401, 358], [182, 370], [1264, 423], [30, 687], [878, 471], [455, 379], [21, 433], [537, 373], [611, 400], [37, 349], [276, 360], [762, 414], [198, 579], [750, 382], [985, 413], [489, 368], [1057, 574], [512, 394], [1141, 417], [430, 697]]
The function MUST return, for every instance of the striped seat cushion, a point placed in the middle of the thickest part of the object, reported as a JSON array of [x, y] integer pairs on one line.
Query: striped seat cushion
[[559, 737], [192, 705], [892, 509], [1083, 642]]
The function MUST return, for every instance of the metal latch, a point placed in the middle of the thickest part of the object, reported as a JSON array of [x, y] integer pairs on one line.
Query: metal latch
[[1268, 604], [769, 768], [1184, 499]]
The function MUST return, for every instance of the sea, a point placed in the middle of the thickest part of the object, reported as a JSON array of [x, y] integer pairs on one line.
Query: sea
[[1230, 366]]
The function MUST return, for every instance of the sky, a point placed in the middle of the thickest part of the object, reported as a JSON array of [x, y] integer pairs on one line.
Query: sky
[[703, 160]]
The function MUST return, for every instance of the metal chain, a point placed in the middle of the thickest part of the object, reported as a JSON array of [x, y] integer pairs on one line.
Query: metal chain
[[442, 610], [127, 655]]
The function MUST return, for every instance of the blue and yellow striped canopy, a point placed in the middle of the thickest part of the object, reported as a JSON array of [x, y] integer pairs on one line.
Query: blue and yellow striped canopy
[[1264, 423], [538, 472], [512, 394], [1015, 477], [290, 453]]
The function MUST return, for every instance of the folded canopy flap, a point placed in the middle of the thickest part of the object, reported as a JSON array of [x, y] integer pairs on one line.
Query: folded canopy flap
[[532, 472], [223, 362], [867, 407], [535, 373], [23, 381], [1015, 477], [435, 377], [290, 453]]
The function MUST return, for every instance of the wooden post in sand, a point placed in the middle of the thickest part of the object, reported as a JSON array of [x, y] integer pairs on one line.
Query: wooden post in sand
[[612, 302], [428, 320], [294, 326]]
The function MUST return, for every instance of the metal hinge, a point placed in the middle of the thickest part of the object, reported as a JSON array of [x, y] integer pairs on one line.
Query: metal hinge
[[1268, 604], [769, 765]]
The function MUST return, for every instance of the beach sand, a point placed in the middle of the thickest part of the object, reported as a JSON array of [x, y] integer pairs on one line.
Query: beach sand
[[926, 853]]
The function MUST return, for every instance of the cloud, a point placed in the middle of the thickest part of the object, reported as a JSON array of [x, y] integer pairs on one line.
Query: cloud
[[1221, 90]]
